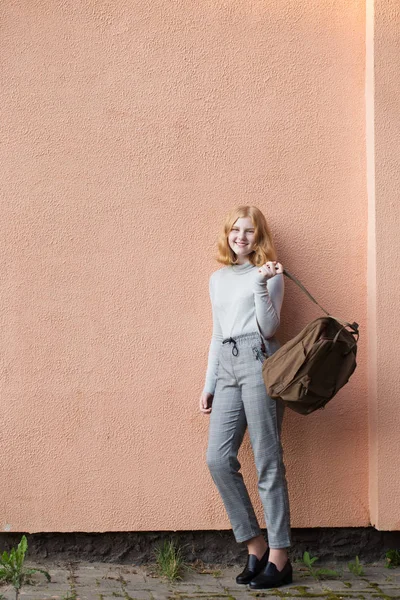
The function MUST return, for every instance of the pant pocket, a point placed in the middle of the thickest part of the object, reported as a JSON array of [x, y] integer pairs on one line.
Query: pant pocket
[[259, 354]]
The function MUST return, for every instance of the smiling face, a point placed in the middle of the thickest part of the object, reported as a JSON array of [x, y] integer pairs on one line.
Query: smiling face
[[241, 238]]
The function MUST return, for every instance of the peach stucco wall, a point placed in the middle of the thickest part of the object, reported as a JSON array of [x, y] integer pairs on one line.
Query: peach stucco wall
[[129, 129], [382, 94]]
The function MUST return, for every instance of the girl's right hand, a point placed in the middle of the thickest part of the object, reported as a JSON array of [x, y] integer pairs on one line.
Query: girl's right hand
[[206, 402]]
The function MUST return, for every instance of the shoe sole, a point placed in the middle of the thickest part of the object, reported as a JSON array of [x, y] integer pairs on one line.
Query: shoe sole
[[286, 581]]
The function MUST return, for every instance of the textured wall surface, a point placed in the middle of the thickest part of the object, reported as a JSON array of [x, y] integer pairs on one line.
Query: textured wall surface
[[383, 263], [129, 129]]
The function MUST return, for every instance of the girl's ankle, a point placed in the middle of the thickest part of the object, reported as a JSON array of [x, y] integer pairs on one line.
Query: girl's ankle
[[258, 550]]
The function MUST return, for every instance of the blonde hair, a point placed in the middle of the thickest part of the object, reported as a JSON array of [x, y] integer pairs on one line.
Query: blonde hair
[[264, 249]]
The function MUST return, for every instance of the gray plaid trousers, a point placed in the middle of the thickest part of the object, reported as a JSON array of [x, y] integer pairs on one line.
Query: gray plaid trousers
[[240, 401]]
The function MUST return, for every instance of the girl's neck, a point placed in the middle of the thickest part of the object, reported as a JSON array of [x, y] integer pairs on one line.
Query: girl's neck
[[244, 267]]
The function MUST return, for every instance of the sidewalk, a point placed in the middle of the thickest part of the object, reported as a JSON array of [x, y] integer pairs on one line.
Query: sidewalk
[[106, 581]]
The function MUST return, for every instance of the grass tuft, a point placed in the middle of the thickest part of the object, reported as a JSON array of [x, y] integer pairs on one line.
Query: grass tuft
[[169, 560]]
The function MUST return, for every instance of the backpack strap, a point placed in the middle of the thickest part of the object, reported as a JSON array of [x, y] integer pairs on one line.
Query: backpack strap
[[353, 326], [301, 286]]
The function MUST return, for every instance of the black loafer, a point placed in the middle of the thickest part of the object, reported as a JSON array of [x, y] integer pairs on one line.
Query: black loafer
[[270, 577], [252, 568]]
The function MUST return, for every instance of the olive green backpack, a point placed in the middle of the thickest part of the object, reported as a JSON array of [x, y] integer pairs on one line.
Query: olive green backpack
[[307, 371]]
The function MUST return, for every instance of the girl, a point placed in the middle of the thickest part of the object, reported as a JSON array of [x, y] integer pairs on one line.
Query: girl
[[246, 297]]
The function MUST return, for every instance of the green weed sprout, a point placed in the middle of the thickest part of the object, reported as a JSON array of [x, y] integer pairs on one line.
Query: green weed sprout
[[12, 567], [392, 559], [356, 567], [308, 561]]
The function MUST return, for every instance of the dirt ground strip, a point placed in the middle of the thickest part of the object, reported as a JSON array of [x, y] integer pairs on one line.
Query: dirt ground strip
[[105, 581]]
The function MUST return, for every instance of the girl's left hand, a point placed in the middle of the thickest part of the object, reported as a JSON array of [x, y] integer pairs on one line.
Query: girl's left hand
[[269, 269]]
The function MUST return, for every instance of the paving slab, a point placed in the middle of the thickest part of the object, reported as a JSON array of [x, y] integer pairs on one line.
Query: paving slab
[[107, 581]]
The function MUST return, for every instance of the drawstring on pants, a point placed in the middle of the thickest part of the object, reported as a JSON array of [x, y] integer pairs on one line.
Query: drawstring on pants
[[235, 350]]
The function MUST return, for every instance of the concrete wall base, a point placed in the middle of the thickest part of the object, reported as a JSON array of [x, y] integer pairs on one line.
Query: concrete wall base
[[208, 546]]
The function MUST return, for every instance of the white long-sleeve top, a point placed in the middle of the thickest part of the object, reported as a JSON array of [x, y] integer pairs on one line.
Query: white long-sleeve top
[[241, 304]]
